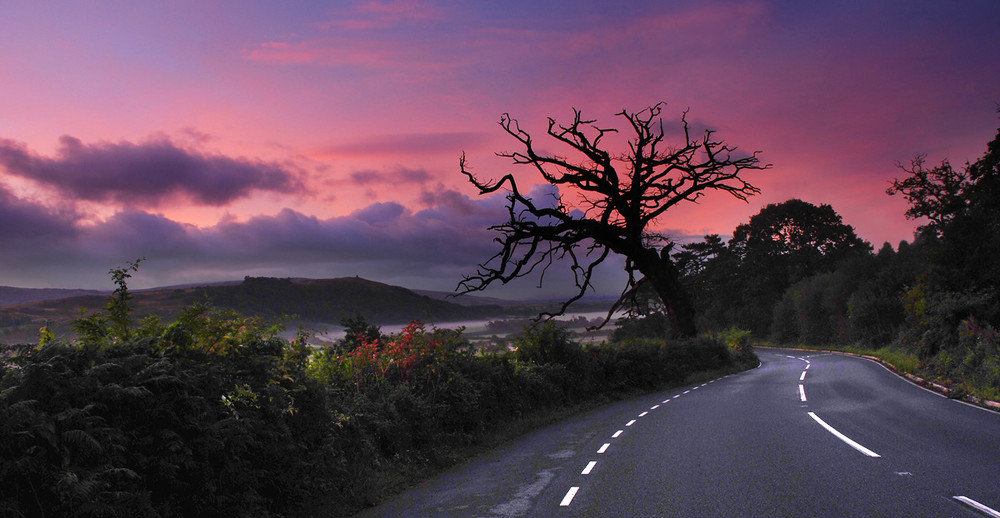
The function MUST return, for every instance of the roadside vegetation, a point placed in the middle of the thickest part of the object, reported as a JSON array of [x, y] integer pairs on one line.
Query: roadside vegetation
[[215, 415]]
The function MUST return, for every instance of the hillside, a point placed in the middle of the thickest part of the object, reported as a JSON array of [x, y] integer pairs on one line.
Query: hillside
[[10, 295], [307, 300]]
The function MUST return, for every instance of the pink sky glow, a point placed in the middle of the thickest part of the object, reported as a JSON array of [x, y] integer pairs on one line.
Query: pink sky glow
[[321, 139]]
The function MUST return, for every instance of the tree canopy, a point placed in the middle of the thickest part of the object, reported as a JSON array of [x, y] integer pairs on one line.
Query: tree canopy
[[617, 200]]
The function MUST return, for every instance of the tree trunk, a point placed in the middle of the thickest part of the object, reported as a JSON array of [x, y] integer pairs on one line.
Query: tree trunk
[[663, 276]]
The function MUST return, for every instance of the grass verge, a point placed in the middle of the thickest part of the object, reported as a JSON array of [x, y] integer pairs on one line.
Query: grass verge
[[906, 363]]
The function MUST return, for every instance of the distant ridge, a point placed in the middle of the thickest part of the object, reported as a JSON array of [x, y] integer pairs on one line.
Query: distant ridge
[[308, 301], [10, 295]]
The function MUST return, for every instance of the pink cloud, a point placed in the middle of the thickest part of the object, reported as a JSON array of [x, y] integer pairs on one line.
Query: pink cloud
[[404, 144], [379, 15]]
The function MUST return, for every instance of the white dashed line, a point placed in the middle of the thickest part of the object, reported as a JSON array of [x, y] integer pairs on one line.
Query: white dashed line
[[677, 396], [977, 506], [802, 393], [616, 434], [589, 468], [843, 437], [630, 423], [807, 366], [665, 401], [654, 407], [604, 448], [803, 376], [686, 391], [569, 496], [643, 414]]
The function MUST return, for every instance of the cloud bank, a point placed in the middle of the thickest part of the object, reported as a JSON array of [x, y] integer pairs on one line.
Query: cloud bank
[[145, 174], [430, 248]]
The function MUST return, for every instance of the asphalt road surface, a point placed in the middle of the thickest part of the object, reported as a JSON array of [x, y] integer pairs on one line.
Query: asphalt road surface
[[804, 434]]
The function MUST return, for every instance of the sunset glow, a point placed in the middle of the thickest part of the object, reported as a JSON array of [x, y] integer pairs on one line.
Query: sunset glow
[[322, 139]]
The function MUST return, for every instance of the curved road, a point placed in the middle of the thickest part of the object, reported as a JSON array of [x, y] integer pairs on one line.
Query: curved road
[[804, 434]]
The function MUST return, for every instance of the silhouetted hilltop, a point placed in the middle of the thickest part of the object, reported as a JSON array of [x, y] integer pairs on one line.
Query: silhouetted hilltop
[[330, 300], [324, 301]]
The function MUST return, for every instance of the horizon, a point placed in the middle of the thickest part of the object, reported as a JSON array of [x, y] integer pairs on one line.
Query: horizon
[[321, 142]]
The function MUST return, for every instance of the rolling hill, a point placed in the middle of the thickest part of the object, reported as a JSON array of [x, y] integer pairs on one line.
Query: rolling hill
[[305, 300]]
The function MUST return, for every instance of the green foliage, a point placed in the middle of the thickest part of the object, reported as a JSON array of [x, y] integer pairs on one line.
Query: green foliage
[[358, 330], [737, 339], [548, 343], [113, 326], [118, 306], [651, 325], [214, 415]]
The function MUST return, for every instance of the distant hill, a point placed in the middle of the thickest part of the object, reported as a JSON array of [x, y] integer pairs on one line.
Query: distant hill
[[11, 295], [320, 301], [330, 300]]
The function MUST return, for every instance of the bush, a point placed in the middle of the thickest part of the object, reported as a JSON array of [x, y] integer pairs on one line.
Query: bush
[[214, 415]]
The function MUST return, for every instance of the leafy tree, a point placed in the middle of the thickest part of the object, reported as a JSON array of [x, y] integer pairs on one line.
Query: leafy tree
[[118, 306], [962, 207], [710, 271], [357, 331], [114, 326], [783, 244], [798, 238], [617, 201], [937, 194]]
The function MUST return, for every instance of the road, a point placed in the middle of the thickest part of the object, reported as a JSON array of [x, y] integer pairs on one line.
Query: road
[[804, 434]]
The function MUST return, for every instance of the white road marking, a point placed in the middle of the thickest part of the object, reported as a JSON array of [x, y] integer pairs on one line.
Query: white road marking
[[616, 434], [654, 407], [802, 393], [569, 496], [807, 366], [803, 376], [677, 396], [686, 391], [665, 401], [604, 448], [590, 466], [643, 414], [843, 437], [630, 423], [977, 506]]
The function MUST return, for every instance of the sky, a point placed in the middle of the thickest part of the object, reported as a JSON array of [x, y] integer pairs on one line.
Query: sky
[[322, 139]]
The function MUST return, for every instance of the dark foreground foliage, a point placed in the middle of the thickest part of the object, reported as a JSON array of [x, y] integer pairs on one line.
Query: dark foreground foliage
[[214, 416]]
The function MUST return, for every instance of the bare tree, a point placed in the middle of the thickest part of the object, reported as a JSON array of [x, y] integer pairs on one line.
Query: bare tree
[[620, 197]]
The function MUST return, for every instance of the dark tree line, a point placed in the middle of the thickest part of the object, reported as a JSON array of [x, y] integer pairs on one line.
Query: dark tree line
[[795, 273], [738, 283]]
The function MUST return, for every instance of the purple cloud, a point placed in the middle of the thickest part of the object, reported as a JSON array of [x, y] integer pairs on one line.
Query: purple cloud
[[22, 221], [145, 174], [431, 248]]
